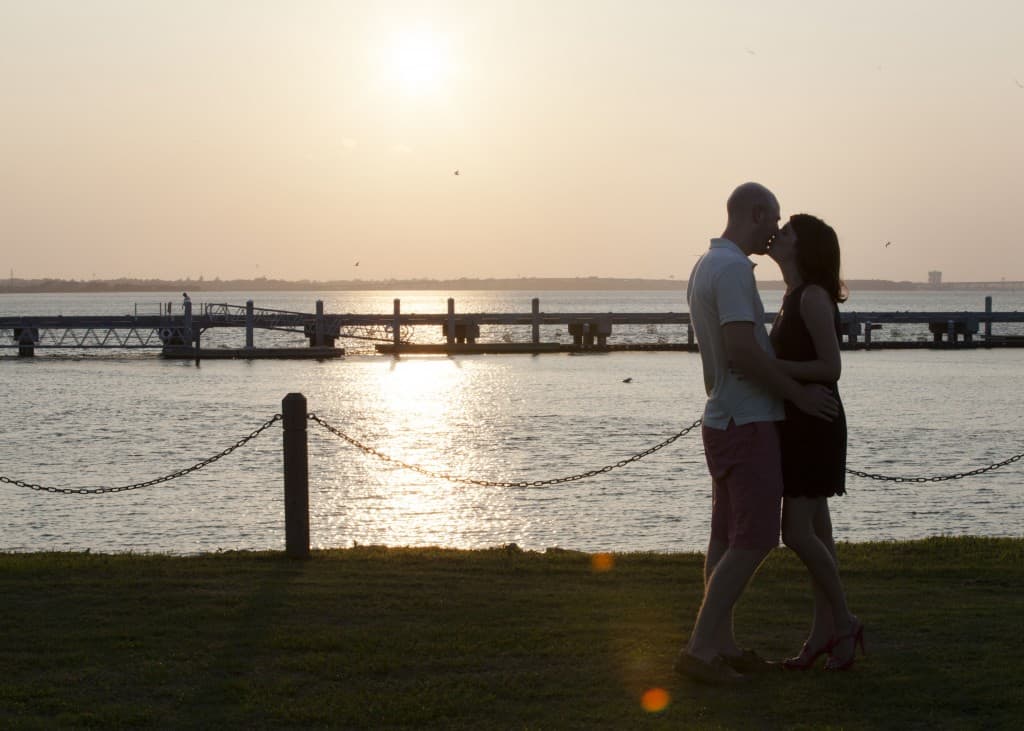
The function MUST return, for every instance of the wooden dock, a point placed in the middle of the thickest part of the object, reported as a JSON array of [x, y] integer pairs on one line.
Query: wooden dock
[[186, 352], [179, 334]]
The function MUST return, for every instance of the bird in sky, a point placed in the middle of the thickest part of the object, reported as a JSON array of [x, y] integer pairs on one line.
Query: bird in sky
[[356, 264], [887, 244], [627, 380], [1017, 82], [456, 172]]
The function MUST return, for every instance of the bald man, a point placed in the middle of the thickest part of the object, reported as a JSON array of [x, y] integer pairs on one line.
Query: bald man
[[745, 398]]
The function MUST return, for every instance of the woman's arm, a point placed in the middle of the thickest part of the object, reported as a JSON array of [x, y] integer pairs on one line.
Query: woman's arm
[[816, 310]]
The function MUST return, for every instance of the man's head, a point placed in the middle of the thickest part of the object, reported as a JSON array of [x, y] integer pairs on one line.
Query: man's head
[[753, 218]]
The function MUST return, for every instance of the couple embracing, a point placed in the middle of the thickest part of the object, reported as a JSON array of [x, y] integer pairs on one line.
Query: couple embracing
[[774, 430]]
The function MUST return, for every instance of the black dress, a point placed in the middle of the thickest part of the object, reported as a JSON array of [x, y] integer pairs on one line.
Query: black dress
[[813, 450]]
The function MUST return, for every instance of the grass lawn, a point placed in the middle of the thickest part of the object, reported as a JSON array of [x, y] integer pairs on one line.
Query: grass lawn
[[414, 638]]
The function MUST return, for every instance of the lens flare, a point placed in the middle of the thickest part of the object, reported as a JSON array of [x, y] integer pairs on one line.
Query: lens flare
[[655, 700]]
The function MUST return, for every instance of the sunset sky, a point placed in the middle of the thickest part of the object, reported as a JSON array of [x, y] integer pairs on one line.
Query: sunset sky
[[244, 138]]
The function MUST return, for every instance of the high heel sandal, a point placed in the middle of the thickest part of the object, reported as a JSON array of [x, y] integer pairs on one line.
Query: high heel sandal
[[807, 657], [857, 635]]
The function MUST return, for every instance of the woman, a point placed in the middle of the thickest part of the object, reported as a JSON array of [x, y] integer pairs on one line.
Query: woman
[[805, 338]]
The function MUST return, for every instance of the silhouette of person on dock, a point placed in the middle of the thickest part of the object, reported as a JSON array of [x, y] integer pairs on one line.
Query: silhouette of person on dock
[[746, 388], [805, 338]]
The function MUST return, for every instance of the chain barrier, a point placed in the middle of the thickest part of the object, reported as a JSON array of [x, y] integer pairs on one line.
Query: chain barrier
[[939, 478], [497, 483], [148, 483], [461, 479], [622, 463]]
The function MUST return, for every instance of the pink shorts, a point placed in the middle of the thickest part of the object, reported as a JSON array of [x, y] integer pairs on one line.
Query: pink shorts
[[746, 484]]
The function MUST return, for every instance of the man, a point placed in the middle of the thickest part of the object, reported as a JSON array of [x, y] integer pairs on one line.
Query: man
[[745, 397]]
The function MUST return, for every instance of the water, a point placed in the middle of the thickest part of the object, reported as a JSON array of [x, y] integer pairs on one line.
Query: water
[[102, 419]]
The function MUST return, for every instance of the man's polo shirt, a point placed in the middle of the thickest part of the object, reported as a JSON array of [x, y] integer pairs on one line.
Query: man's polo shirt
[[722, 290]]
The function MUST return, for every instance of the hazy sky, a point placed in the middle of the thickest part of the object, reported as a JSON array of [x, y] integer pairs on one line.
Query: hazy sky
[[241, 138]]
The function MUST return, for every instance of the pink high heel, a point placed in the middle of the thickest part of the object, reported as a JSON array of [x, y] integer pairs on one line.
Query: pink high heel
[[857, 635], [807, 657]]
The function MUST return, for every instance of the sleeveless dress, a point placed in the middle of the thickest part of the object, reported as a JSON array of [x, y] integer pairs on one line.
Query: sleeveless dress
[[813, 450]]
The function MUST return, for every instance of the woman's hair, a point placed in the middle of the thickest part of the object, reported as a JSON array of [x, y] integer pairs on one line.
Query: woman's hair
[[817, 254]]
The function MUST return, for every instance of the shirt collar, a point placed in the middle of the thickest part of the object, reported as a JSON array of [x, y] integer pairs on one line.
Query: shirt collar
[[731, 247]]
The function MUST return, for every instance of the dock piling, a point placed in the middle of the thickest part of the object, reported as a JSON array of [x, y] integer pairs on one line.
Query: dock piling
[[250, 321], [319, 327], [535, 319], [396, 325], [296, 476]]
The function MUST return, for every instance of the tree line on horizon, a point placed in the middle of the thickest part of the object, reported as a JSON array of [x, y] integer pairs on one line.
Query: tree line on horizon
[[127, 284]]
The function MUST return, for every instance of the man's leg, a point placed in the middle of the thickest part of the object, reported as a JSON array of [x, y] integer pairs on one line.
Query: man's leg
[[724, 636], [716, 549], [746, 488], [730, 577]]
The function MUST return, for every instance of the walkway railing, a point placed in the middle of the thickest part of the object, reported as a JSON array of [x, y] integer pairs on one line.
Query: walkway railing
[[295, 418]]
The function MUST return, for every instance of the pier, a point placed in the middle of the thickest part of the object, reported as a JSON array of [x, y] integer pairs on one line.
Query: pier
[[177, 331]]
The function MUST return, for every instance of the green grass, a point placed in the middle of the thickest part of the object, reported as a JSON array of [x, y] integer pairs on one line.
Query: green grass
[[414, 638]]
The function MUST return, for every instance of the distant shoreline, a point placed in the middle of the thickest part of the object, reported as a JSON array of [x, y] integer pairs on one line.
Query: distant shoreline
[[262, 284]]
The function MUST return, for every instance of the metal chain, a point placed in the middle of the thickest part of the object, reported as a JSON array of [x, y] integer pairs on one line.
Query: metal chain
[[496, 483], [148, 483], [940, 478], [460, 479], [624, 462]]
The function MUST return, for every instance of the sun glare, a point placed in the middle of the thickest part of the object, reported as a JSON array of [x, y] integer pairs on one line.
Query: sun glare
[[419, 61]]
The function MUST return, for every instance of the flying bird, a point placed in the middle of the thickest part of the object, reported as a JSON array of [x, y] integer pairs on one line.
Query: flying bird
[[627, 380], [356, 264], [752, 53], [1017, 82], [887, 244], [456, 172]]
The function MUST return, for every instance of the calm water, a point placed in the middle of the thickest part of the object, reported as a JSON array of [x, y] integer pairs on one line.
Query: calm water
[[114, 419]]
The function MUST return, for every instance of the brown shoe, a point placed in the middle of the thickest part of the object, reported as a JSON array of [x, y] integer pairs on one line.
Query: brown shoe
[[716, 672], [749, 661]]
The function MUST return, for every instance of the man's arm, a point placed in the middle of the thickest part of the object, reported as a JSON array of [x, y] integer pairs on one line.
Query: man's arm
[[747, 357]]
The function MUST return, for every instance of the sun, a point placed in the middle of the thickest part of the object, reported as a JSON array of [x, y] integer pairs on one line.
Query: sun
[[419, 61]]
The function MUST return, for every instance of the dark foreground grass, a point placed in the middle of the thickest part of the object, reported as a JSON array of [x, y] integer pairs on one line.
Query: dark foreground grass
[[415, 638]]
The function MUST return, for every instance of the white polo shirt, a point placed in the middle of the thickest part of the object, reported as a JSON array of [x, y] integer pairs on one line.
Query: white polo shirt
[[722, 290]]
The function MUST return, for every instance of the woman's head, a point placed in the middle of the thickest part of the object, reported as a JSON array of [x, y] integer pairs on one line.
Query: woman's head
[[814, 248]]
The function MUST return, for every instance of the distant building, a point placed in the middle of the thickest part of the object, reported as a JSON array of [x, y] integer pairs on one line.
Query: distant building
[[935, 279]]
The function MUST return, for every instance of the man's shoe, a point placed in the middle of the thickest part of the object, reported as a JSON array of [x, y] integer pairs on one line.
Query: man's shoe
[[716, 672], [749, 661]]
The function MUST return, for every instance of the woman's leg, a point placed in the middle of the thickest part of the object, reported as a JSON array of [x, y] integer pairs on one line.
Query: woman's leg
[[823, 613], [845, 649], [802, 519]]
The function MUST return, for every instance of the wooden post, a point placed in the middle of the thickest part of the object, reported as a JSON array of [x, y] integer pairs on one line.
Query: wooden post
[[187, 321], [535, 309], [869, 326], [449, 328], [296, 476], [950, 333], [988, 318], [250, 321], [319, 331], [396, 325]]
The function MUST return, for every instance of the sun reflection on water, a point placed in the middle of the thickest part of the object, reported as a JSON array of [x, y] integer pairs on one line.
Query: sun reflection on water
[[425, 412]]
